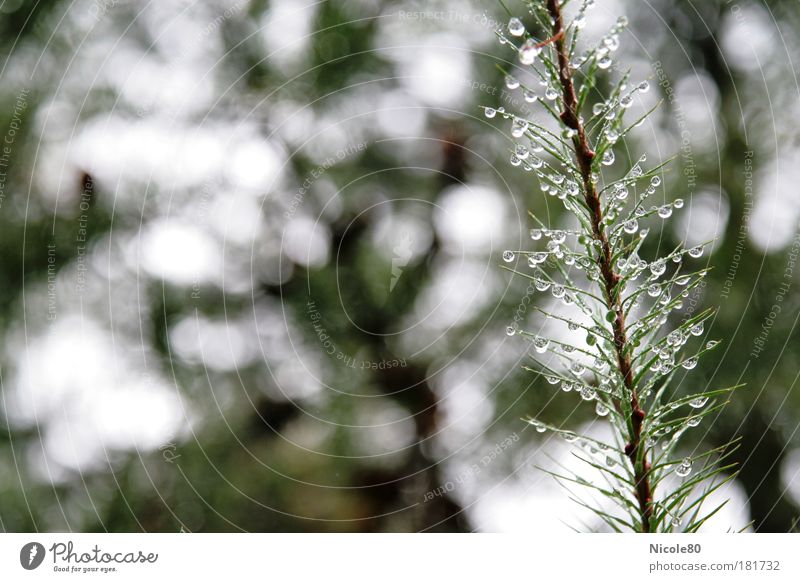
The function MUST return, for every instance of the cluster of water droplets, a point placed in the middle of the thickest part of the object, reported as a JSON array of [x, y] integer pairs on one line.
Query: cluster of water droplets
[[600, 450], [530, 48], [611, 111], [660, 279], [558, 185], [617, 196], [668, 349], [602, 52], [558, 251]]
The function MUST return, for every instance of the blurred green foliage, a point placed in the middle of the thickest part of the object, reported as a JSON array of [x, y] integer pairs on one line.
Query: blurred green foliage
[[237, 469]]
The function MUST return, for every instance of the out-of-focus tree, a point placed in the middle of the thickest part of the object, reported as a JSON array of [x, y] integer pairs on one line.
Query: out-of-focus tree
[[250, 261]]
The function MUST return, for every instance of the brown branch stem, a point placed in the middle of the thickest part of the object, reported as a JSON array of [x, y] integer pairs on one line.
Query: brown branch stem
[[610, 278]]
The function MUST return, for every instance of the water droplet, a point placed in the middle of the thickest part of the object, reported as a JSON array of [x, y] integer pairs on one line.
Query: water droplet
[[558, 291], [538, 258], [550, 94], [572, 188], [515, 161], [689, 364], [678, 203], [685, 468], [519, 127], [655, 181], [598, 108], [711, 344], [612, 135], [608, 158], [604, 62], [698, 402], [528, 52], [552, 379], [653, 290], [658, 268], [683, 280], [566, 386], [601, 409], [644, 87], [610, 462], [665, 211], [626, 101], [515, 26], [511, 82], [693, 421], [511, 330], [536, 233], [530, 96], [697, 329], [696, 252], [622, 21], [489, 112], [540, 344], [676, 521], [611, 42], [570, 437], [630, 226], [522, 152], [577, 368], [508, 256], [541, 285], [675, 338], [537, 425], [580, 20]]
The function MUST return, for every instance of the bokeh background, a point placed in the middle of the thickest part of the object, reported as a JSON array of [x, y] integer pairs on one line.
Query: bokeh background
[[250, 250]]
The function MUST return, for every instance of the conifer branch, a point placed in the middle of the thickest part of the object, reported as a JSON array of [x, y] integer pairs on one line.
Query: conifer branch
[[585, 156]]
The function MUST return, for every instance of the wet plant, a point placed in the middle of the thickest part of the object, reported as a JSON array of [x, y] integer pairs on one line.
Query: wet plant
[[628, 337]]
